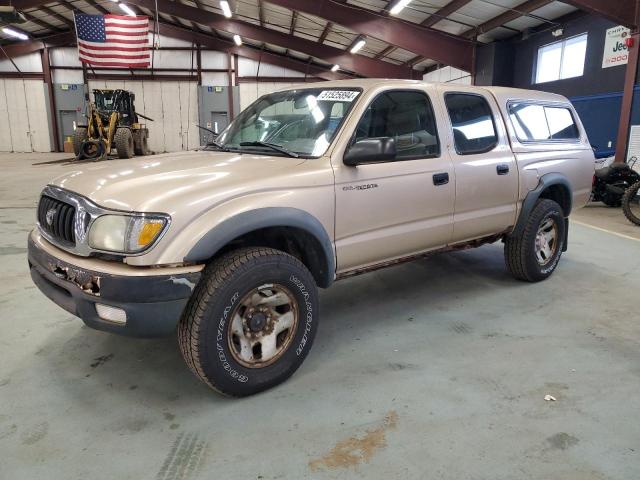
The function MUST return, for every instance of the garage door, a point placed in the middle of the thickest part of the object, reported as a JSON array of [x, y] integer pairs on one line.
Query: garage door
[[23, 110]]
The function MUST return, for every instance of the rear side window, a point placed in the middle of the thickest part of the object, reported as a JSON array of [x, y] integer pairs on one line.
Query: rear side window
[[543, 123], [407, 117], [472, 121]]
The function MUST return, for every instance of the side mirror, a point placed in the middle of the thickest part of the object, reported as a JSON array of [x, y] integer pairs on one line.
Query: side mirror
[[370, 150]]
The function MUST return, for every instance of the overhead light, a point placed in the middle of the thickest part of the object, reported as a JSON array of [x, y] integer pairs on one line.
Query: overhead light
[[126, 9], [226, 9], [237, 40], [558, 32], [335, 68], [14, 33], [397, 8], [358, 45]]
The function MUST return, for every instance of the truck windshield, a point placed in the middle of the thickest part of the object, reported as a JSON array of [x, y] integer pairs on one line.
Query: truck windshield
[[301, 121]]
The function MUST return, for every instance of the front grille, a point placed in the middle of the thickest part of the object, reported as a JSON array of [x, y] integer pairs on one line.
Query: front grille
[[61, 222]]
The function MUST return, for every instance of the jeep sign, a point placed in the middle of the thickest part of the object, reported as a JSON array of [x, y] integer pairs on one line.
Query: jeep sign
[[615, 51]]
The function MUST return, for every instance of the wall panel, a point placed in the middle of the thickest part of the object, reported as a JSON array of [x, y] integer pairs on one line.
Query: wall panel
[[5, 132], [39, 122], [19, 124]]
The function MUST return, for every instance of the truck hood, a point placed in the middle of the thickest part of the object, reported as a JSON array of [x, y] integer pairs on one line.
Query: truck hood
[[156, 183]]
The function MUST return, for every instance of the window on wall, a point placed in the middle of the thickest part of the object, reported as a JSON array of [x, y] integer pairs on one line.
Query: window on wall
[[560, 60]]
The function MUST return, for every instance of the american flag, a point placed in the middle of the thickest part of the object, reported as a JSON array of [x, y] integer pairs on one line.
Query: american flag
[[113, 40]]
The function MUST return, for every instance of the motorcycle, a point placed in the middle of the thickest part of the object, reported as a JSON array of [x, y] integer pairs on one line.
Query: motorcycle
[[610, 183], [631, 203]]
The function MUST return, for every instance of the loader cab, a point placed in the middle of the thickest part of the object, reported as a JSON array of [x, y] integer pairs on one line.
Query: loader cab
[[121, 101]]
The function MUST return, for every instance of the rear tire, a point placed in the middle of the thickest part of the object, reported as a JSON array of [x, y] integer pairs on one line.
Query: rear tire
[[141, 142], [630, 196], [123, 140], [250, 321], [79, 136], [533, 255]]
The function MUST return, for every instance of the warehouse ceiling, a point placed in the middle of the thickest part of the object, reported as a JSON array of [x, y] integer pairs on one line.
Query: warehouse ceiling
[[310, 32]]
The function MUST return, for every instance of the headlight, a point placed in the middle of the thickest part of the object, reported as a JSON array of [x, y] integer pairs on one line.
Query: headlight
[[125, 233]]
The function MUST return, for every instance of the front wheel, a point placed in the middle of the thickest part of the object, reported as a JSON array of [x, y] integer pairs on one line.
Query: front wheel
[[250, 321], [631, 203], [534, 253]]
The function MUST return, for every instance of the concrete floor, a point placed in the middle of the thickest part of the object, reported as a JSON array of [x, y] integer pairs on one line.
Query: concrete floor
[[436, 369]]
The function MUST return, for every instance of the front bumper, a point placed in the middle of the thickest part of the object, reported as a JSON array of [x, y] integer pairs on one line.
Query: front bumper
[[153, 298]]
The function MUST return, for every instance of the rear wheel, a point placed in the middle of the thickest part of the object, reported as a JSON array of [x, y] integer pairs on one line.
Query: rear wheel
[[631, 203], [141, 142], [79, 136], [123, 140], [534, 254], [250, 322]]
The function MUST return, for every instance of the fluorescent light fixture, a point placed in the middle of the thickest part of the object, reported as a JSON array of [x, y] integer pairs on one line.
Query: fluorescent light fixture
[[237, 40], [335, 68], [399, 6], [358, 45], [14, 33], [126, 9], [226, 9]]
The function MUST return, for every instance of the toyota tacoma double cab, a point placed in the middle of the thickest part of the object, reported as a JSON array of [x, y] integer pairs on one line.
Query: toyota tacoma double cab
[[229, 244]]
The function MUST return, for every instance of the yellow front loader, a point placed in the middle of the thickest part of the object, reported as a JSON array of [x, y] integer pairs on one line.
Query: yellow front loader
[[112, 121]]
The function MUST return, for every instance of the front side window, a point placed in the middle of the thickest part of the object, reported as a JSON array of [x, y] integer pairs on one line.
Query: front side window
[[473, 128], [301, 121], [560, 60], [405, 116], [540, 123]]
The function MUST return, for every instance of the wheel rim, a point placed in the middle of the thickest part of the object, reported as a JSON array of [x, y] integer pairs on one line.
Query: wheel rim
[[263, 325], [546, 242]]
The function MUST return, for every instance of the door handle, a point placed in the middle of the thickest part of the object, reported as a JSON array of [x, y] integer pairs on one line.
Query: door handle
[[440, 178], [502, 169]]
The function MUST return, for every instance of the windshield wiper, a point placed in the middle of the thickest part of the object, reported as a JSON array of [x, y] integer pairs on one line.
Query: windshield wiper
[[212, 143], [272, 146]]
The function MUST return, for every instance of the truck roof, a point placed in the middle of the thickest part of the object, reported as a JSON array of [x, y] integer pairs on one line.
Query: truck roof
[[502, 94]]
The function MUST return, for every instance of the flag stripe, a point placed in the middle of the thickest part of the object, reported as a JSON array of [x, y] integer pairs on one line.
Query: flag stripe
[[121, 44], [114, 54], [127, 30], [116, 62], [101, 50]]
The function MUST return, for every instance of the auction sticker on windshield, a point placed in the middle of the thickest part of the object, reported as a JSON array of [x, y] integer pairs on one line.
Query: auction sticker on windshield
[[338, 95]]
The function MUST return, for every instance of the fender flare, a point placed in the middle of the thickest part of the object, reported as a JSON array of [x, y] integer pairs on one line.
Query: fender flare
[[532, 197], [251, 220]]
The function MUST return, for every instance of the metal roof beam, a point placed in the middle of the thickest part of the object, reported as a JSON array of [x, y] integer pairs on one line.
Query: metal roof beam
[[512, 14], [248, 52], [623, 12], [360, 64], [30, 46], [429, 43], [444, 12]]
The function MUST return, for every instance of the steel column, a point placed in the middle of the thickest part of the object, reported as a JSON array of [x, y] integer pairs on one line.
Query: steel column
[[627, 101], [46, 73]]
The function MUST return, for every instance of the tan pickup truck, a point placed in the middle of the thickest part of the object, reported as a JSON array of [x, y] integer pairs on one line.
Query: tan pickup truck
[[230, 243]]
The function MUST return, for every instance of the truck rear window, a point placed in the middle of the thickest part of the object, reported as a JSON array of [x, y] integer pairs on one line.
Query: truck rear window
[[542, 123]]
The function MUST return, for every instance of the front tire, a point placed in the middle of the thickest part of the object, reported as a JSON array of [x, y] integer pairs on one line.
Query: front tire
[[533, 255], [250, 321], [123, 140]]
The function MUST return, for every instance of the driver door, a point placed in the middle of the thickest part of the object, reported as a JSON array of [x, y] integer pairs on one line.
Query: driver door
[[397, 208]]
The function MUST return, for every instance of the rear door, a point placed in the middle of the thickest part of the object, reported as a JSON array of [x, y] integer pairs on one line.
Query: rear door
[[485, 167]]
